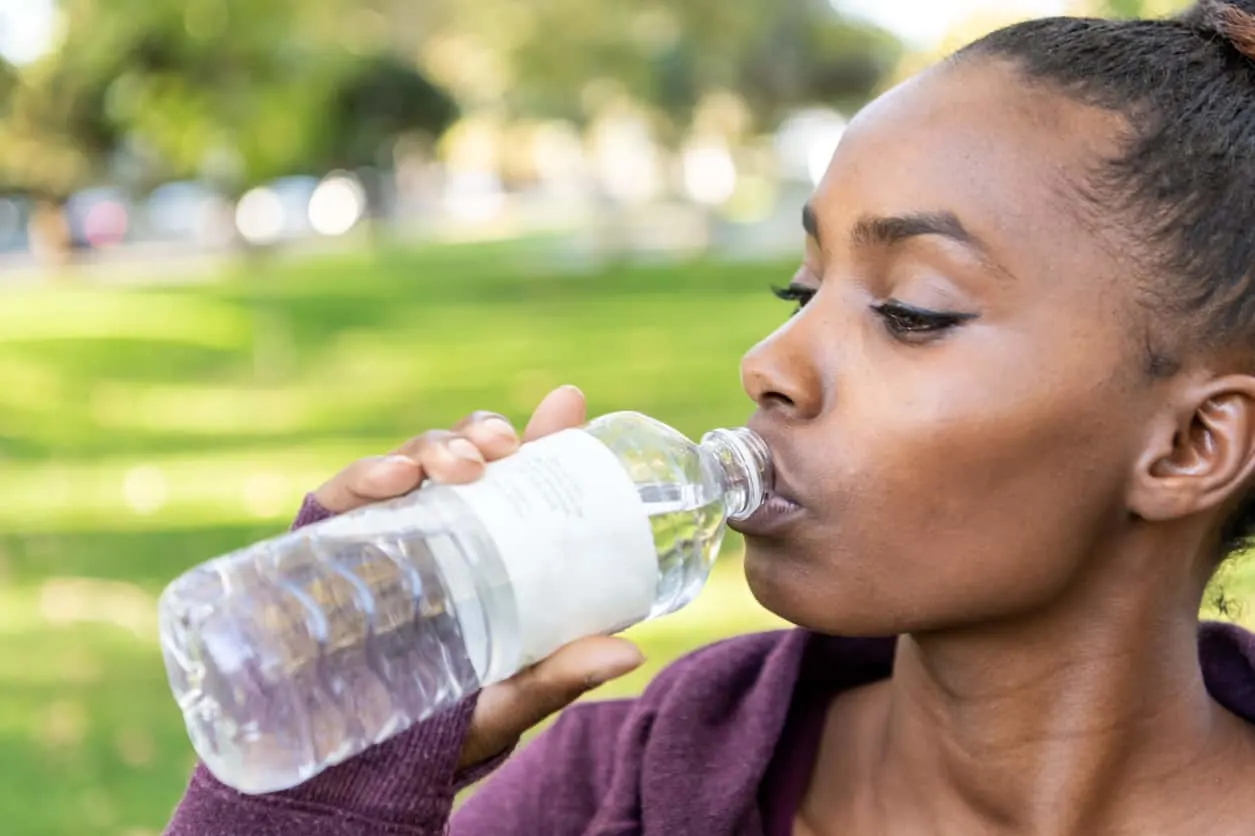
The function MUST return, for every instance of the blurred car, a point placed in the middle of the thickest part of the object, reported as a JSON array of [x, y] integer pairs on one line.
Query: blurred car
[[15, 212], [186, 211], [277, 211], [99, 217]]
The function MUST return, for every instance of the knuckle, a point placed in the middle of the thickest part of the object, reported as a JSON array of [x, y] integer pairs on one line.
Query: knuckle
[[483, 419], [340, 493], [353, 475], [550, 693], [425, 441], [479, 416], [447, 455], [494, 433]]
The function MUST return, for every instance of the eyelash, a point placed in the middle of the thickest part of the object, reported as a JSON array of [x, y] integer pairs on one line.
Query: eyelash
[[905, 321], [902, 321], [794, 293]]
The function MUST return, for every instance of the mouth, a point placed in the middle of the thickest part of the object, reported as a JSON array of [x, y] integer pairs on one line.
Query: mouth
[[780, 507], [776, 513]]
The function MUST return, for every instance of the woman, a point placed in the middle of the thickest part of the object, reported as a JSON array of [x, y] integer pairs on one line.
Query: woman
[[1013, 420]]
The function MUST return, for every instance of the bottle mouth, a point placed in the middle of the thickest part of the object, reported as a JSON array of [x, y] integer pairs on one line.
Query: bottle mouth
[[747, 463]]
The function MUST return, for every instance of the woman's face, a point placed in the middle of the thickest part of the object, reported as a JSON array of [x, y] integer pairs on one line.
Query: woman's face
[[959, 406]]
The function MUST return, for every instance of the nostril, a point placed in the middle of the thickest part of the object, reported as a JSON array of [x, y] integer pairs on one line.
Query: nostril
[[777, 399]]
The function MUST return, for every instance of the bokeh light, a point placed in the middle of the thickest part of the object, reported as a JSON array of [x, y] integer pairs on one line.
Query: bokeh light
[[259, 216], [337, 204]]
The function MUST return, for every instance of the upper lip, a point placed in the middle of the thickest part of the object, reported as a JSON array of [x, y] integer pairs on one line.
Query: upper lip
[[780, 482]]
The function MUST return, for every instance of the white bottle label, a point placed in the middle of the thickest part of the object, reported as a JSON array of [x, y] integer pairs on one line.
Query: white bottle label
[[574, 537]]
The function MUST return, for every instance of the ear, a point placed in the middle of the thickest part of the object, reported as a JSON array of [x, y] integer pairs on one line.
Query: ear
[[1202, 455]]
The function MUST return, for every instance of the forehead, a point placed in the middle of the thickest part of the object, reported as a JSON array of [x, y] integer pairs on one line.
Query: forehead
[[1009, 158]]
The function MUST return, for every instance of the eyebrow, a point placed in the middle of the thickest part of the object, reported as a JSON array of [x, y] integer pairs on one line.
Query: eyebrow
[[888, 230]]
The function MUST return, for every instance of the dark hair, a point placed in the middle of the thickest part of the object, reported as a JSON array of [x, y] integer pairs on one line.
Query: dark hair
[[1181, 193]]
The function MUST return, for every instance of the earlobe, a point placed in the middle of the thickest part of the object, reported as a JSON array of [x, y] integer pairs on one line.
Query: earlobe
[[1203, 456]]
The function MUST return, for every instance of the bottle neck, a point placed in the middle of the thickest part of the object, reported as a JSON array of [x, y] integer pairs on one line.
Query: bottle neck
[[746, 464]]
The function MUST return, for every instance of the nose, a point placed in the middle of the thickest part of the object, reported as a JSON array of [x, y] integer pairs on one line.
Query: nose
[[781, 373]]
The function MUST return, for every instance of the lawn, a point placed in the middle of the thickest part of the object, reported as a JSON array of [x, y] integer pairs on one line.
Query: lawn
[[144, 430]]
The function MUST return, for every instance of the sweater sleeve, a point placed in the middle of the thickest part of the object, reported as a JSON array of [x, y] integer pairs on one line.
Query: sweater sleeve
[[555, 785], [403, 786]]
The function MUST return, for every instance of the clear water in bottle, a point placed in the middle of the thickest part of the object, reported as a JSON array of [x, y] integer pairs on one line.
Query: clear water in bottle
[[298, 652]]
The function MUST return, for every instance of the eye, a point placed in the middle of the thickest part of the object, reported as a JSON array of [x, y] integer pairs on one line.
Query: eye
[[908, 322], [795, 293]]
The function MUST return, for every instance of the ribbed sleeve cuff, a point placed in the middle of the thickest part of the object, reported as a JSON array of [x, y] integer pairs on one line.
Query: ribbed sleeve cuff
[[310, 513]]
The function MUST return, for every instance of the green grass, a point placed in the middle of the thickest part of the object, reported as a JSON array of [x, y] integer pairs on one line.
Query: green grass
[[142, 431]]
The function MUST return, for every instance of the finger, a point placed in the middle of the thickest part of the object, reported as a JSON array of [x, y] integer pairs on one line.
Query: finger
[[505, 710], [562, 409], [445, 457], [493, 434], [369, 480]]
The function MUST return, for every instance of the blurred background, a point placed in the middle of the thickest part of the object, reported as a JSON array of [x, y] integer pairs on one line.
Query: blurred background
[[243, 242]]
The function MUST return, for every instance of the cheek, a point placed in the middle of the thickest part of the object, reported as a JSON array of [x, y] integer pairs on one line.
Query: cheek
[[958, 500]]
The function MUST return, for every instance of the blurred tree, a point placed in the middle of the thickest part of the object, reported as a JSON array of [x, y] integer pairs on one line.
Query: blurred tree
[[54, 138], [8, 82], [238, 91], [991, 17], [566, 58], [53, 134], [377, 100], [809, 56]]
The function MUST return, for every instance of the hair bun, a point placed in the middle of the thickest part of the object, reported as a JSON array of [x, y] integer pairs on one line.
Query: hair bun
[[1233, 20]]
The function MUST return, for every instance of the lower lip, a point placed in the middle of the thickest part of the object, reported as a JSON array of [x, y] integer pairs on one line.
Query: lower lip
[[774, 514]]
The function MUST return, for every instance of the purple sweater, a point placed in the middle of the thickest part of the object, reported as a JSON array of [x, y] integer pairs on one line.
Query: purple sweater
[[720, 744]]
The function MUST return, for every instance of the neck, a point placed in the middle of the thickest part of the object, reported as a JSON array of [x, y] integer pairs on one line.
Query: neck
[[1064, 722]]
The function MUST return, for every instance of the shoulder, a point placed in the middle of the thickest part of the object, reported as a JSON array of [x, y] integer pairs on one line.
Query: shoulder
[[717, 677], [728, 671]]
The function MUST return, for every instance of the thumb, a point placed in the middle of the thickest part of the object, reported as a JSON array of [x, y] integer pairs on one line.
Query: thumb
[[561, 409], [505, 710]]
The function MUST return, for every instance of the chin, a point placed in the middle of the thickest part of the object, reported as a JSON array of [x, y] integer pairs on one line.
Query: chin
[[780, 581], [764, 573], [813, 598]]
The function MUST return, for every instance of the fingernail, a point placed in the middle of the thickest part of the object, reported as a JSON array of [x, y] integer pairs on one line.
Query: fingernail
[[573, 389], [463, 449], [499, 426], [398, 460]]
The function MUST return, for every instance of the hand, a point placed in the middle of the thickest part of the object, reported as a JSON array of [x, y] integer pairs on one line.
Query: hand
[[505, 710]]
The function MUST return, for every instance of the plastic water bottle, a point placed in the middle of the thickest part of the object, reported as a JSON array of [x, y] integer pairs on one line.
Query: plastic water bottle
[[298, 652]]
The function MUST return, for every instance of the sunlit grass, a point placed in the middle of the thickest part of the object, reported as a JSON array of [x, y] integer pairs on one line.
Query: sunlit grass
[[101, 314], [169, 491]]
